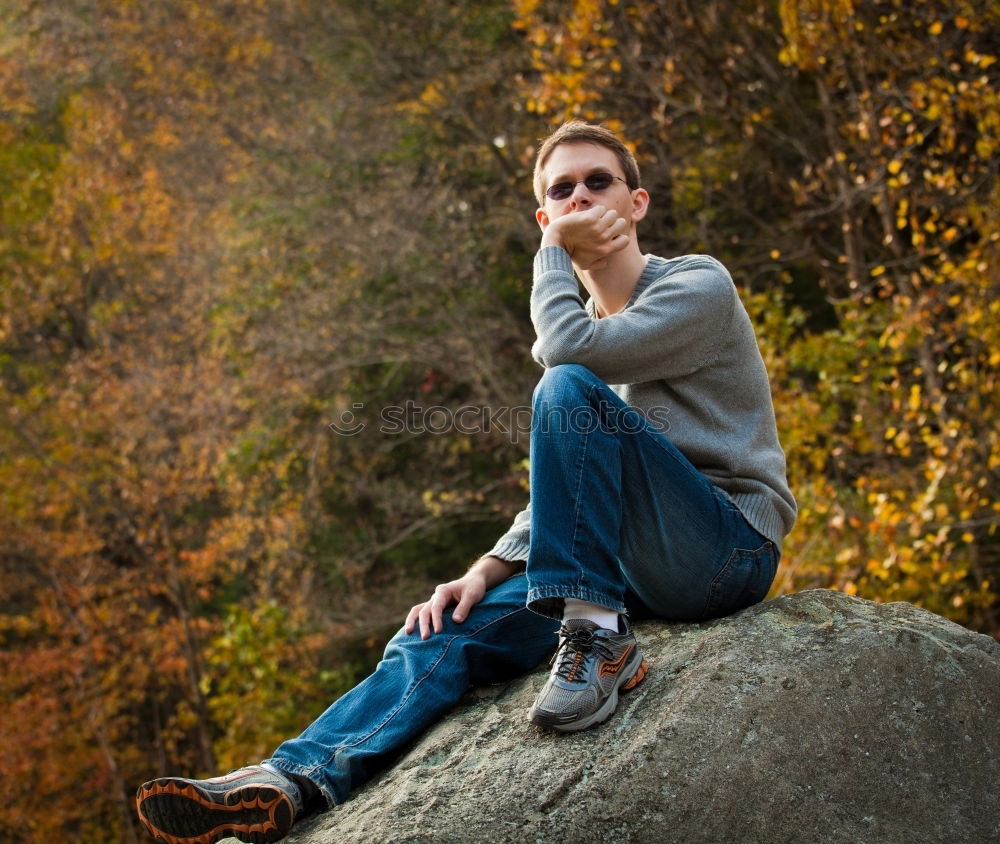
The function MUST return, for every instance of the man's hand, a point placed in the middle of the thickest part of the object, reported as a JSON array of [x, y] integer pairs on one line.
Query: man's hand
[[590, 237], [466, 592]]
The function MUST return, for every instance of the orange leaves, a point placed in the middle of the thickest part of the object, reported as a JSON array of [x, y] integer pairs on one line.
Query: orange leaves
[[811, 29], [928, 520], [574, 55], [113, 419], [222, 223], [250, 52], [911, 511]]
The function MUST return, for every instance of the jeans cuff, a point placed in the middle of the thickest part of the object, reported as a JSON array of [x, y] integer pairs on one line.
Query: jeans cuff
[[549, 600]]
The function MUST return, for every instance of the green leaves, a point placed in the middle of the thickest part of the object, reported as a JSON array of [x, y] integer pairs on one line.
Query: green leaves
[[221, 226], [263, 681]]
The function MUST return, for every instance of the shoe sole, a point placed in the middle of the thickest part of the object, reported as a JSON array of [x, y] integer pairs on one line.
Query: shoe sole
[[604, 711], [175, 811]]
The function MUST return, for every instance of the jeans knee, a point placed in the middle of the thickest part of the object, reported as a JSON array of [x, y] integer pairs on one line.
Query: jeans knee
[[567, 400], [560, 382]]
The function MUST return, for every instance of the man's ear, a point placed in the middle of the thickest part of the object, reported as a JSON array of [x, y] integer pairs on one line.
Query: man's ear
[[543, 218], [640, 204]]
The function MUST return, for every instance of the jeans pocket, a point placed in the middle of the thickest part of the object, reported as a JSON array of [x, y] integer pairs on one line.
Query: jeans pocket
[[743, 581]]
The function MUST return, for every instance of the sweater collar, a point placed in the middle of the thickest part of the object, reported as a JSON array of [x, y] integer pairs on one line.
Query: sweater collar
[[652, 271]]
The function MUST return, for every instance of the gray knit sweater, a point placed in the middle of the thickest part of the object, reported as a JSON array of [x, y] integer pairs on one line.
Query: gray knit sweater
[[682, 350]]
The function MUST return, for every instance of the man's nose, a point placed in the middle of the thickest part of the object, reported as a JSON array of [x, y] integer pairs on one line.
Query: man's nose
[[581, 196]]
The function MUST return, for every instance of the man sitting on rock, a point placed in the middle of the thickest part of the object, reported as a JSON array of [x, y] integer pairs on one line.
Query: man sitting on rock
[[657, 489]]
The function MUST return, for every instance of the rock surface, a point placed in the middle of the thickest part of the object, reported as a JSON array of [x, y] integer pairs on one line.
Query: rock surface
[[814, 717]]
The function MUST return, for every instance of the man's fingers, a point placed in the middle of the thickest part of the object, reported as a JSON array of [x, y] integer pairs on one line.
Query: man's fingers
[[413, 616], [429, 613], [462, 610], [429, 616], [437, 605], [425, 623], [614, 226]]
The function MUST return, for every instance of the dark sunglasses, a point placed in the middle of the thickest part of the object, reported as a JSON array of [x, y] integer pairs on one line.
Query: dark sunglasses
[[595, 182]]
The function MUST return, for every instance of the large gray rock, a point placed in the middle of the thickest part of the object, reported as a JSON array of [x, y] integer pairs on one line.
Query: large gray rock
[[812, 717]]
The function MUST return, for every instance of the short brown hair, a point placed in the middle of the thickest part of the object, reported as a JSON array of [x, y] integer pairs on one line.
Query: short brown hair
[[579, 132]]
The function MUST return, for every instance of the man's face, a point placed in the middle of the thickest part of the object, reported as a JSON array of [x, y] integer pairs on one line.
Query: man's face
[[573, 163]]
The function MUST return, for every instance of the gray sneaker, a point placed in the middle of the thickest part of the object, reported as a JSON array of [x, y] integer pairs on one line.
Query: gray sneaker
[[252, 804], [591, 666]]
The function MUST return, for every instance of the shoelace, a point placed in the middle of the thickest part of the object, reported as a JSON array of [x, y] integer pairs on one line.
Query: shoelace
[[574, 649]]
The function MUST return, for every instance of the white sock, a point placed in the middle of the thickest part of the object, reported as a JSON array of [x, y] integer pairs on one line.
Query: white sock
[[601, 616]]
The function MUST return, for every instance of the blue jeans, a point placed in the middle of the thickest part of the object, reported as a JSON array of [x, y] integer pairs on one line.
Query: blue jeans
[[619, 517], [622, 519], [416, 683]]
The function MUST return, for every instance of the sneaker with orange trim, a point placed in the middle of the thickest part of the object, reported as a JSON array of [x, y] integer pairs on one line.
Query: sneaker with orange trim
[[253, 804], [589, 669]]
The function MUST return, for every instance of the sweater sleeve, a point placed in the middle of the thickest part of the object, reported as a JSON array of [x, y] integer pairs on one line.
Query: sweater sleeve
[[674, 327], [514, 544]]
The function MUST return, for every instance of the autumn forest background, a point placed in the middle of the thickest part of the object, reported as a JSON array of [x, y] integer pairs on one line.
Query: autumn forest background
[[229, 227]]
